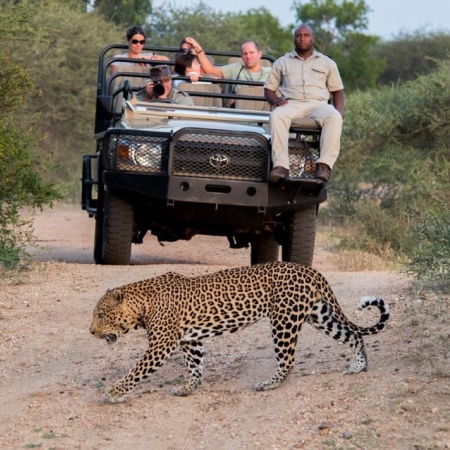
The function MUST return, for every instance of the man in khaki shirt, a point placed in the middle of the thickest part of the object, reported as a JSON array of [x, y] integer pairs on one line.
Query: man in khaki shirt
[[307, 80]]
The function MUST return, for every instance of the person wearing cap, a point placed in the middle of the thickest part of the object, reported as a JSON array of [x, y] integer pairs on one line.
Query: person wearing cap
[[159, 86]]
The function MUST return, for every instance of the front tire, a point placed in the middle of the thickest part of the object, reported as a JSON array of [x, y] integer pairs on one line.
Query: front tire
[[264, 249], [98, 240], [117, 231], [300, 237]]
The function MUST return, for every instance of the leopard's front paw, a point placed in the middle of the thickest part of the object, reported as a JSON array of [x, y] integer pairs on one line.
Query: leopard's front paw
[[185, 389], [115, 394]]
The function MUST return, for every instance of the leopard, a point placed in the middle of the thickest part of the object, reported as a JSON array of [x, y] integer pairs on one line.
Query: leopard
[[180, 312]]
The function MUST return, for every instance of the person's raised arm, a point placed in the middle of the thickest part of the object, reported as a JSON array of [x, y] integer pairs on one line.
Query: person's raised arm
[[206, 64]]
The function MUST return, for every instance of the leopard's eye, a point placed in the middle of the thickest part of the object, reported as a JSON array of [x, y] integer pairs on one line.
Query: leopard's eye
[[100, 315]]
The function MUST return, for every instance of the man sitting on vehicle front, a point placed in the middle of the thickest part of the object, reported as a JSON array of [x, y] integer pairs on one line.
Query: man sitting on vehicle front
[[306, 80], [159, 86]]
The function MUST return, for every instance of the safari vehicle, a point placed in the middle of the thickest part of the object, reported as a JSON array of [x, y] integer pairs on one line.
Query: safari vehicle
[[179, 171]]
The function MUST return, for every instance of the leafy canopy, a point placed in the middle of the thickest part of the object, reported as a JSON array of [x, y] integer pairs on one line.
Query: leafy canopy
[[122, 12], [410, 55], [331, 20], [219, 31]]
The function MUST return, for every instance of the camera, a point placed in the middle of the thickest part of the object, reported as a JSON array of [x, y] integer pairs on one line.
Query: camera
[[158, 88]]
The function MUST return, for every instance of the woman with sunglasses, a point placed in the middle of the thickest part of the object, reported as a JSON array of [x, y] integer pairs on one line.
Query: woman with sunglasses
[[136, 41]]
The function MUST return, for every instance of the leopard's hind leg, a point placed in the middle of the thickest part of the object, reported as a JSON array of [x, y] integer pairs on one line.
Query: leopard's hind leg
[[193, 356], [323, 318], [285, 336]]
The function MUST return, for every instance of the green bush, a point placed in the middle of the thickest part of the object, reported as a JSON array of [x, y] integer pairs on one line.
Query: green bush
[[20, 186], [22, 171], [395, 166], [430, 256]]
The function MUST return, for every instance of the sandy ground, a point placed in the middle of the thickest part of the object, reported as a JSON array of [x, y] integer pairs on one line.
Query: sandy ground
[[53, 372]]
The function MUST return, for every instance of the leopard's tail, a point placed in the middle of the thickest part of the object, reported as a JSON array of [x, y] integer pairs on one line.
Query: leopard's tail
[[366, 302]]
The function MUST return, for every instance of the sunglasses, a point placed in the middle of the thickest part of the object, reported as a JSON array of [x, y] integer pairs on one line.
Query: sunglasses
[[136, 41]]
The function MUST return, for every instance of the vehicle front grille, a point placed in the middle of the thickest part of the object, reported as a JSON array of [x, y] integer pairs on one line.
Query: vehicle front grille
[[302, 159], [137, 153], [220, 155]]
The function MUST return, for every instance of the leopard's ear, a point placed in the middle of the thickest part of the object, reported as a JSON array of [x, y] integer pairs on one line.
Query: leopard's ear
[[117, 297]]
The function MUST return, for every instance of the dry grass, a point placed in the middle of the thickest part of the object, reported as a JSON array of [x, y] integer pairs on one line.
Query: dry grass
[[20, 275], [428, 319], [354, 260]]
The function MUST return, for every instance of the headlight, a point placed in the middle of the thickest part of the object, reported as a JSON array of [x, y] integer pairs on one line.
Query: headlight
[[137, 153], [147, 154]]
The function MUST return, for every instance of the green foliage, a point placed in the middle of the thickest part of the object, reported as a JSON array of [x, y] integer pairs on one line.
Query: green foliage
[[14, 82], [409, 55], [20, 186], [64, 72], [378, 231], [261, 26], [357, 66], [338, 29], [332, 20], [16, 21], [394, 165], [170, 24], [21, 181], [123, 12], [430, 257]]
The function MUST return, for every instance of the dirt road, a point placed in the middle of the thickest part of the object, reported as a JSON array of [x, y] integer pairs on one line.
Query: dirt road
[[53, 372]]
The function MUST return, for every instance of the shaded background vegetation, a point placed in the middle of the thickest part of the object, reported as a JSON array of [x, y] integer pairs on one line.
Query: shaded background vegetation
[[392, 178]]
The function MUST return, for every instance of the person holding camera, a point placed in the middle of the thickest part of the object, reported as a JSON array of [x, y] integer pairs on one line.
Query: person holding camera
[[159, 87]]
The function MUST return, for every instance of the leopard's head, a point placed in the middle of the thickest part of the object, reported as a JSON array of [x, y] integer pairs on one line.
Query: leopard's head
[[113, 317]]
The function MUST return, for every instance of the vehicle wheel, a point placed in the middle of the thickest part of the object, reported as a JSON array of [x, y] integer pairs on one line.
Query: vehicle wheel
[[98, 240], [264, 248], [117, 231], [300, 237]]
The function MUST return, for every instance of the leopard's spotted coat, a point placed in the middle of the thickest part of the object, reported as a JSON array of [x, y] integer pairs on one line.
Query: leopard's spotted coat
[[181, 311]]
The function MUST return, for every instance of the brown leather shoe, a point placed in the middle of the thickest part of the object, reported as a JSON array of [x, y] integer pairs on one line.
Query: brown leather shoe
[[323, 172], [278, 173]]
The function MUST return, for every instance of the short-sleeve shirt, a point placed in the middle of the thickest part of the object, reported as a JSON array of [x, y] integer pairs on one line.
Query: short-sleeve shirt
[[180, 97], [304, 80], [238, 71]]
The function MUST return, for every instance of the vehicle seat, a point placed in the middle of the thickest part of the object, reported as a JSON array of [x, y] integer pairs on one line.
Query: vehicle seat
[[255, 105], [203, 87], [305, 125], [137, 81]]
